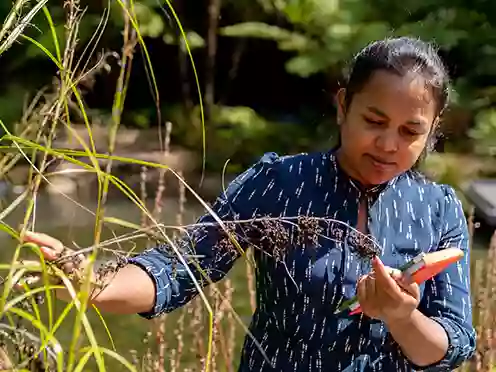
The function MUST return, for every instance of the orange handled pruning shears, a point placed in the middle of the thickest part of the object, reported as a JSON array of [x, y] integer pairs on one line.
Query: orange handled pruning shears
[[420, 268]]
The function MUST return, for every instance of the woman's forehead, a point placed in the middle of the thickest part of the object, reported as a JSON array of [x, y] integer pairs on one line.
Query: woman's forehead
[[391, 93]]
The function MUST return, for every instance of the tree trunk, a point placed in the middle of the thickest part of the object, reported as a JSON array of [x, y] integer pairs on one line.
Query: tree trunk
[[213, 23]]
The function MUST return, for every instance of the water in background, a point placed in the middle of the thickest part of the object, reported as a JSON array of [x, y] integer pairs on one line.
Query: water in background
[[69, 222]]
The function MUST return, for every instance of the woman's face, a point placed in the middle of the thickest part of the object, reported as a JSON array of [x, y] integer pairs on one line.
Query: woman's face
[[386, 126]]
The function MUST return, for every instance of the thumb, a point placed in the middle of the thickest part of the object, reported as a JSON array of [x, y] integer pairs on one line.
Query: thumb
[[42, 239], [380, 269], [383, 276], [50, 247], [48, 253]]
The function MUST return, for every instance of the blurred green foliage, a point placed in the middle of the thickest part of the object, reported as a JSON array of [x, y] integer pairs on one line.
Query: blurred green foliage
[[239, 133], [319, 37], [484, 133]]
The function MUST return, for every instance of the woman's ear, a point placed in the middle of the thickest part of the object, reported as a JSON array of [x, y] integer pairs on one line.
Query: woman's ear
[[341, 105], [436, 123], [433, 134]]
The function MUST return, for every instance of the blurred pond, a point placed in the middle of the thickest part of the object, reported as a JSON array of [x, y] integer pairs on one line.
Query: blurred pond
[[64, 219]]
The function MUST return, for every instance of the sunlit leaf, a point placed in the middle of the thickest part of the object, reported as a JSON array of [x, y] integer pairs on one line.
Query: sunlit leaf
[[150, 22], [256, 29], [306, 65], [194, 40]]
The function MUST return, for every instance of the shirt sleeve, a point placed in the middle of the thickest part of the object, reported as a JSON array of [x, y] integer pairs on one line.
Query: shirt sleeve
[[208, 251], [447, 297]]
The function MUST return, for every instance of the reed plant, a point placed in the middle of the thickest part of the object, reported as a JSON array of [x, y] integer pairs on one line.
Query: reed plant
[[206, 334], [31, 141]]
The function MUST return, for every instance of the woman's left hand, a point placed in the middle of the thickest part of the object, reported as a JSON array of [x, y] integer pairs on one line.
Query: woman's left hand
[[386, 294]]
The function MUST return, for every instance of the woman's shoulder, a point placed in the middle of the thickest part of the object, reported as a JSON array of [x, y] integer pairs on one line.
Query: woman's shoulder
[[314, 158], [430, 192], [272, 169], [421, 180], [272, 163]]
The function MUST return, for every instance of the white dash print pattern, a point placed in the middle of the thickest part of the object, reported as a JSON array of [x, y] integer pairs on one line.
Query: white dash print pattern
[[297, 295]]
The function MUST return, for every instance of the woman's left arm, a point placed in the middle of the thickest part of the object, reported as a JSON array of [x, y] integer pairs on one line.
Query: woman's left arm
[[445, 310]]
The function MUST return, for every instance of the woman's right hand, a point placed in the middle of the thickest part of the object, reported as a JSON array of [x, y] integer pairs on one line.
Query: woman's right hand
[[129, 290], [52, 250]]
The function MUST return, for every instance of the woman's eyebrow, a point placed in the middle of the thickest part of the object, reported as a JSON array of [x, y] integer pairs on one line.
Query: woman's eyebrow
[[378, 112]]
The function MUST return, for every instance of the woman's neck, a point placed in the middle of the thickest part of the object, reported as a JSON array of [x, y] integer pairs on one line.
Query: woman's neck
[[350, 171], [354, 176]]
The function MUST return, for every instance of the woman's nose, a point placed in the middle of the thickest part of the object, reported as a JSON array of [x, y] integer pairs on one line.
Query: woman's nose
[[387, 141]]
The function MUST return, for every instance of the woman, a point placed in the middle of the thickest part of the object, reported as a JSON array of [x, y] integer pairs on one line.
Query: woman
[[388, 113]]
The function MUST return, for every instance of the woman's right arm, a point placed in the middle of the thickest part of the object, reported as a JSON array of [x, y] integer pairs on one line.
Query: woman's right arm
[[155, 281]]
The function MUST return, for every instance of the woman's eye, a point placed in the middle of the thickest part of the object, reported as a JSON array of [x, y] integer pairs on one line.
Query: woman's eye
[[410, 132], [373, 122]]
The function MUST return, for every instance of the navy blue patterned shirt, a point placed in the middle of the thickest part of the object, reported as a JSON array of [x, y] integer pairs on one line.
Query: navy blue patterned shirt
[[305, 270]]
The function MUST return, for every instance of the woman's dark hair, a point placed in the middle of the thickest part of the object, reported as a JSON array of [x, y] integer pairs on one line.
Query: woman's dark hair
[[401, 56]]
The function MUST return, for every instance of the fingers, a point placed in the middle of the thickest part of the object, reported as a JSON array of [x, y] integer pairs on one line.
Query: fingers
[[406, 283], [32, 275], [370, 288], [28, 281], [50, 247], [399, 282], [362, 289], [43, 240], [28, 278], [53, 249], [385, 293], [368, 297], [384, 278]]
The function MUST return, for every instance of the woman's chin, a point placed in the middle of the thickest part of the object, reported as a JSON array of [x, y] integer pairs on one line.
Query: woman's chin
[[378, 178]]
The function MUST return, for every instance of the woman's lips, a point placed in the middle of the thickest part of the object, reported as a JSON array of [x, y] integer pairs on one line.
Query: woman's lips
[[381, 164]]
